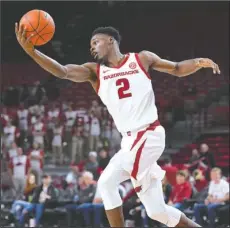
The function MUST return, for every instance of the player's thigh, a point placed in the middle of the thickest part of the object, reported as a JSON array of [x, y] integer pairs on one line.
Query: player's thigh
[[113, 174]]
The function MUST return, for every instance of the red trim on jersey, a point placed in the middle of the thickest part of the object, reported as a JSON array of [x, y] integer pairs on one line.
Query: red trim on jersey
[[98, 78], [137, 160], [141, 66], [122, 63], [139, 151], [141, 133]]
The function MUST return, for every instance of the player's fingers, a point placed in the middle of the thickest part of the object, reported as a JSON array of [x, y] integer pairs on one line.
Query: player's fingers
[[24, 33], [19, 29], [217, 69], [29, 38], [214, 68], [16, 28]]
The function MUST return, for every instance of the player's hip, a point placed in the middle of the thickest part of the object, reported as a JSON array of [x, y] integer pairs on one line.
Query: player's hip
[[152, 134]]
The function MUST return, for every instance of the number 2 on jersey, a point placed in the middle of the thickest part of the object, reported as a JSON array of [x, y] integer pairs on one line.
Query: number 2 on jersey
[[123, 90]]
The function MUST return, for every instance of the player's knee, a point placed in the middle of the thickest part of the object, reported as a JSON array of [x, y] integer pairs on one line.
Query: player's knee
[[164, 217], [160, 217]]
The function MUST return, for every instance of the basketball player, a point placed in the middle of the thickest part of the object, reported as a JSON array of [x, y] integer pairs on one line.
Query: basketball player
[[124, 85]]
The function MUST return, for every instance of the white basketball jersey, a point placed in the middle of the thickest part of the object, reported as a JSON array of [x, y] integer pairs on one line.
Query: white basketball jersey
[[127, 92]]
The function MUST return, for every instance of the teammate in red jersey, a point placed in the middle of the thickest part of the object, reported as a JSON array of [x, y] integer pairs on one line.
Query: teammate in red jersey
[[124, 86]]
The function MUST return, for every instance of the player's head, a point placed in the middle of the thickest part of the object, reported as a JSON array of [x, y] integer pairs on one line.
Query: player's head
[[104, 39]]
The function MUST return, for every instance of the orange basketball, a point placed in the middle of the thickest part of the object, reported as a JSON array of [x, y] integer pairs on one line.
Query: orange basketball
[[39, 23]]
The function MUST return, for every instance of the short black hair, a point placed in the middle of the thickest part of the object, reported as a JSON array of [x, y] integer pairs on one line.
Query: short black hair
[[111, 31]]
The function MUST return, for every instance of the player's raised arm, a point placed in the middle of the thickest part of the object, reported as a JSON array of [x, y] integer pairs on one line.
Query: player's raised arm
[[179, 69], [76, 73]]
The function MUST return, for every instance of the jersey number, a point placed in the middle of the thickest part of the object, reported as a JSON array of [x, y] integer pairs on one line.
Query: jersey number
[[123, 90]]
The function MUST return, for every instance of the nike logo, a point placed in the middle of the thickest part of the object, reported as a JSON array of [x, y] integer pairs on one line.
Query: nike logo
[[104, 71]]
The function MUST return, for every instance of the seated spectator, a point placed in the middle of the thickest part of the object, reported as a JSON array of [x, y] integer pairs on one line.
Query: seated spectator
[[42, 197], [207, 161], [18, 205], [86, 192], [181, 191], [92, 164], [200, 181], [97, 209], [67, 192], [218, 194], [104, 159], [171, 171], [194, 160], [73, 175], [167, 189]]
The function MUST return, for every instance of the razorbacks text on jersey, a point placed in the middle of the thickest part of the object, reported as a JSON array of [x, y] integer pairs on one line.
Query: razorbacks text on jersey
[[127, 92]]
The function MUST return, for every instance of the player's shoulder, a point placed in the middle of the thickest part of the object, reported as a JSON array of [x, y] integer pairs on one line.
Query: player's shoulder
[[90, 65]]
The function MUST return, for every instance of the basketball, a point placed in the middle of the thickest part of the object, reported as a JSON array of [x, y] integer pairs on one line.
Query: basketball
[[39, 23]]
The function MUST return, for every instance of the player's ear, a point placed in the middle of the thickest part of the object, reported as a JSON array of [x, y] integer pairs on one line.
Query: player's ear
[[111, 40]]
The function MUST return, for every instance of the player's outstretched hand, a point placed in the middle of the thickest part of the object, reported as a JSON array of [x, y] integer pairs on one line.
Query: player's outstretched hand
[[20, 32], [208, 63]]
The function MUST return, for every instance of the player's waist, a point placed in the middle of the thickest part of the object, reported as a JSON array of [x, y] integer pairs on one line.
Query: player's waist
[[146, 127]]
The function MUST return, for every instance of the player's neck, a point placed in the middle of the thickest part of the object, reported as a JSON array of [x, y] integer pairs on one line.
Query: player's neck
[[115, 58]]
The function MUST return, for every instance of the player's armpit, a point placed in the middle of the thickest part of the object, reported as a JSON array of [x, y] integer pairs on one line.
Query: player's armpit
[[80, 73]]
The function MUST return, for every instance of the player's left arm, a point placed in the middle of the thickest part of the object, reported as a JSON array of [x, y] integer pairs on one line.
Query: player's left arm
[[179, 69]]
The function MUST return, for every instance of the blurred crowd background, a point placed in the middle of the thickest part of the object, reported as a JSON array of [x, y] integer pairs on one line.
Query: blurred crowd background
[[57, 137]]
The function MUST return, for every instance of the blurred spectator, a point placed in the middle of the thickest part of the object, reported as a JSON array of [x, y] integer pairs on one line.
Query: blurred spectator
[[53, 112], [87, 189], [36, 92], [24, 93], [19, 166], [23, 122], [167, 189], [5, 117], [67, 192], [207, 161], [96, 208], [10, 134], [181, 191], [11, 96], [115, 140], [104, 159], [96, 108], [94, 132], [218, 194], [73, 176], [194, 160], [200, 181], [171, 171], [36, 156], [77, 145], [19, 205], [37, 109], [57, 143], [43, 195], [92, 164], [38, 132], [12, 152], [53, 116], [70, 118]]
